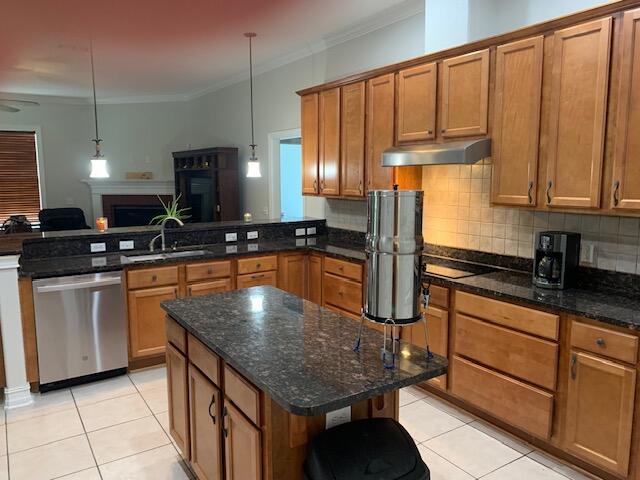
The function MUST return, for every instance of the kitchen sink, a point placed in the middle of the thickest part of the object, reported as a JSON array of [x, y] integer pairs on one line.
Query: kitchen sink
[[149, 257]]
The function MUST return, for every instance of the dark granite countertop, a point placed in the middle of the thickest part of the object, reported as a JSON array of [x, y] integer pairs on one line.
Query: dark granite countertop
[[296, 351], [81, 264], [615, 309]]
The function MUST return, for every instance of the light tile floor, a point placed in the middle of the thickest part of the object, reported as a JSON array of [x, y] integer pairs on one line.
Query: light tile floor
[[118, 428]]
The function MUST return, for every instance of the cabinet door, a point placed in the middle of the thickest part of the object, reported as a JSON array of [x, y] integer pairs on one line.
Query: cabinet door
[[314, 290], [310, 129], [380, 130], [600, 403], [242, 446], [465, 95], [256, 279], [207, 288], [330, 142], [577, 118], [437, 335], [147, 335], [626, 162], [178, 392], [292, 273], [516, 125], [416, 108], [352, 138], [204, 408]]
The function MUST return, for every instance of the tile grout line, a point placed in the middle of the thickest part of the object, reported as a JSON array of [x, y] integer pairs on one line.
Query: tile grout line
[[447, 460], [552, 469], [85, 433], [132, 455], [502, 466]]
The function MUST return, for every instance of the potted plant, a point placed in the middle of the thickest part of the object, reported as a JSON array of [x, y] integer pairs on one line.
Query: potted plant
[[171, 212]]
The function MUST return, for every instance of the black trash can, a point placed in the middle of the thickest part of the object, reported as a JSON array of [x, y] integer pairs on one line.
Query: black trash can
[[371, 449]]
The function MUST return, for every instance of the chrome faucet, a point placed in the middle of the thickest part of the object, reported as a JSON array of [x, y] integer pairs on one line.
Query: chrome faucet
[[161, 234]]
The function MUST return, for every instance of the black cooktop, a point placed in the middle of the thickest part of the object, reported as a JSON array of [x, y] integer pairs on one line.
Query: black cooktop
[[447, 268]]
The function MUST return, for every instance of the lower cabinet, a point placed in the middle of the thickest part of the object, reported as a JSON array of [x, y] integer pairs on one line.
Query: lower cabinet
[[600, 405], [257, 279], [205, 425], [437, 336], [146, 320], [314, 274], [207, 288], [242, 446], [178, 395], [292, 273]]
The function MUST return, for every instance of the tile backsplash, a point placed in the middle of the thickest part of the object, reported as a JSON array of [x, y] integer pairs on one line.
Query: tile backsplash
[[458, 213], [347, 214]]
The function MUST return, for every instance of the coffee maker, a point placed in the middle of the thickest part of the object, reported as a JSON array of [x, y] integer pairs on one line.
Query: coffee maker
[[556, 259]]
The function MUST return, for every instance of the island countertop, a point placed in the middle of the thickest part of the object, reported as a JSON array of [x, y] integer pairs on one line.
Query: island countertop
[[297, 352]]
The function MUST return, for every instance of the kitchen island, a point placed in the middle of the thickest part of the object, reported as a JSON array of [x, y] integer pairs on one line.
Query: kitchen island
[[254, 375]]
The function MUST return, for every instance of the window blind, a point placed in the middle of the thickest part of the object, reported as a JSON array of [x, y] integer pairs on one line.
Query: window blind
[[19, 186]]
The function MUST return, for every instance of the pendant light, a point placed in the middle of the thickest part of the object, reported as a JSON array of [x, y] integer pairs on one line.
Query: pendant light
[[98, 162], [253, 165]]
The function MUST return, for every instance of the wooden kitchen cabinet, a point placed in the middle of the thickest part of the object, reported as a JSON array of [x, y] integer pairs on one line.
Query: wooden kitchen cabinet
[[416, 104], [329, 138], [600, 407], [207, 288], [465, 95], [292, 273], [242, 446], [437, 335], [352, 140], [516, 125], [205, 423], [177, 387], [576, 129], [626, 160], [146, 320], [314, 287], [380, 130], [310, 129]]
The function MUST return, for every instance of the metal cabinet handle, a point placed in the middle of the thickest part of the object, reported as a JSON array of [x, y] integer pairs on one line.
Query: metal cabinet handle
[[255, 277], [213, 402], [549, 185], [315, 185], [190, 290], [616, 192], [258, 265], [175, 292], [209, 270], [154, 278], [360, 187], [218, 208], [529, 192], [321, 185], [225, 431], [429, 132], [574, 364], [600, 342]]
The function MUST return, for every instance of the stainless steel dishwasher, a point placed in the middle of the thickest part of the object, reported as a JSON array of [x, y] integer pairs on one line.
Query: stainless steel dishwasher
[[80, 328]]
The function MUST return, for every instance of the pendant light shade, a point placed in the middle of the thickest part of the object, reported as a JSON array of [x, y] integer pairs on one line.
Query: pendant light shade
[[253, 165], [98, 162]]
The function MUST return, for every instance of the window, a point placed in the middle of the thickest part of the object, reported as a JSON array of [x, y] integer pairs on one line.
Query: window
[[19, 185]]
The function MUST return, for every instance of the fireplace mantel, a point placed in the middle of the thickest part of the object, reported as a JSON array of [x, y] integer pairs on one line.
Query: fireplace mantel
[[126, 187]]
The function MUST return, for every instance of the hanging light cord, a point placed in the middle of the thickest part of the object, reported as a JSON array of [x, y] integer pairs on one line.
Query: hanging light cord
[[95, 103], [253, 142]]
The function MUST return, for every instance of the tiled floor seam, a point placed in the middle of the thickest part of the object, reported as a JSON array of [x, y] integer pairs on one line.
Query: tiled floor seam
[[553, 469], [439, 435], [95, 460], [43, 415], [501, 466], [48, 443], [446, 460], [132, 455], [79, 471], [118, 424]]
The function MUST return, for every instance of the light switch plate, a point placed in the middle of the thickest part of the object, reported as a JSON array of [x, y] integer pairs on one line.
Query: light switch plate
[[98, 247], [587, 252], [231, 237], [126, 244], [338, 417], [300, 232], [252, 235], [311, 231]]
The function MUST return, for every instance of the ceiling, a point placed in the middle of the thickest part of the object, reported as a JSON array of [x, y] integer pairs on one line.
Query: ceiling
[[167, 49]]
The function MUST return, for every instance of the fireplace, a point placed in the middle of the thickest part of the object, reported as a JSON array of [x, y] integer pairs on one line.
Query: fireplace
[[132, 210]]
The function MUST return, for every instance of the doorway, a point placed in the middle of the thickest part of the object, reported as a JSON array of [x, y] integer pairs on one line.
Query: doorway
[[291, 205]]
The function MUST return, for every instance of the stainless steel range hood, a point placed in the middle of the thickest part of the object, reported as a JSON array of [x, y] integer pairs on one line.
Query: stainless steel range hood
[[462, 152]]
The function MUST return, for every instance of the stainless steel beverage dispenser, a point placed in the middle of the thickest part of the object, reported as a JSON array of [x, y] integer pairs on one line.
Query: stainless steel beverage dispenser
[[394, 294]]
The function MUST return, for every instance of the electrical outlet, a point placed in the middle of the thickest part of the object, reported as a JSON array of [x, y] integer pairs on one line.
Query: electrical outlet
[[311, 241], [98, 247], [252, 247], [252, 235], [99, 262], [311, 231], [231, 237], [338, 417], [126, 244], [265, 211], [587, 251], [300, 232], [300, 242], [232, 249]]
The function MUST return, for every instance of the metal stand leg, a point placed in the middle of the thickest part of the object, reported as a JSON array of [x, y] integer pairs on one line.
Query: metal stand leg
[[389, 357], [426, 337], [356, 347]]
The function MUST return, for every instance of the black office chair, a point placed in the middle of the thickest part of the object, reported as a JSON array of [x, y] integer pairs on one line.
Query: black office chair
[[57, 219]]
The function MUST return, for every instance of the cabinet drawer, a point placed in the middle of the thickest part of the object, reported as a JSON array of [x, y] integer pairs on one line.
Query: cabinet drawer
[[206, 288], [349, 270], [176, 335], [520, 318], [245, 396], [203, 358], [255, 279], [515, 353], [439, 296], [603, 341], [204, 271], [257, 264], [342, 293], [152, 277], [514, 402]]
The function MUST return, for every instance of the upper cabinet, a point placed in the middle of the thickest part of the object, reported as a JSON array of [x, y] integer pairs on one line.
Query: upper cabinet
[[465, 95], [516, 125], [626, 163], [329, 153], [380, 130], [416, 109], [352, 140], [576, 128], [309, 116]]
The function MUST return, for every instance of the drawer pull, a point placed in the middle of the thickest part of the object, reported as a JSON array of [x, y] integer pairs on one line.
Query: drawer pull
[[190, 291], [154, 278], [209, 270], [340, 267], [224, 422], [549, 185], [600, 342], [258, 265], [616, 191], [529, 192], [574, 365], [255, 277], [213, 402]]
